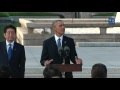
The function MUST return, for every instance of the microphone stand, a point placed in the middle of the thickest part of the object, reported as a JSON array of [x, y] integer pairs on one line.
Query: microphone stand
[[66, 55], [63, 73], [63, 61]]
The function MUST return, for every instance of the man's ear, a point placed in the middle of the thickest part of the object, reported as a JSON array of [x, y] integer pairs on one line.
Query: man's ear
[[53, 28]]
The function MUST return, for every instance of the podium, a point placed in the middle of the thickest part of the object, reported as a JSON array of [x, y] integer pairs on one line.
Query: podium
[[69, 67]]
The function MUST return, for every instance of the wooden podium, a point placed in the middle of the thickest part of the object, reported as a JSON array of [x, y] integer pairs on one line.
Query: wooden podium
[[68, 67]]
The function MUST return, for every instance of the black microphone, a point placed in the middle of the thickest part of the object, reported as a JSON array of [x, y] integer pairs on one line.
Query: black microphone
[[66, 51], [60, 51]]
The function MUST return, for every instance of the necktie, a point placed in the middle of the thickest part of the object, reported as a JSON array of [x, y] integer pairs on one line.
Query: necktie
[[59, 43], [9, 51]]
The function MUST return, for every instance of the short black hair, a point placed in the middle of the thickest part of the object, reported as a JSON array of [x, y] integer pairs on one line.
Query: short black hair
[[99, 70], [4, 71], [51, 71], [9, 26]]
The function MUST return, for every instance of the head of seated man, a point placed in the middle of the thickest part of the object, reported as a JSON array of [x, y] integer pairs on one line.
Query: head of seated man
[[51, 71], [99, 70]]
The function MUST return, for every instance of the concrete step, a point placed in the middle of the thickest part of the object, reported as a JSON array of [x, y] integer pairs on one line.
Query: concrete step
[[98, 44], [74, 75], [37, 72], [85, 70]]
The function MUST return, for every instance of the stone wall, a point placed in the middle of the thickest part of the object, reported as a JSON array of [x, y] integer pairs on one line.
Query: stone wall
[[28, 36]]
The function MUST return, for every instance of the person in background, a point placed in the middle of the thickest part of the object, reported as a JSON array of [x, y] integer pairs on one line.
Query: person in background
[[51, 71], [12, 54]]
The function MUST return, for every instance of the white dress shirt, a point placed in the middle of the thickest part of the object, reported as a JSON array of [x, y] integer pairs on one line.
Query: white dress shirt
[[7, 45], [56, 39]]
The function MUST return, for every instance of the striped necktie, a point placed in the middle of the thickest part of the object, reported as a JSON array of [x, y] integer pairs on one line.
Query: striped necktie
[[59, 43], [9, 51]]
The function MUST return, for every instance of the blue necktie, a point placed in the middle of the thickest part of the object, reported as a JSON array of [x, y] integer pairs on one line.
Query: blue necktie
[[59, 43], [9, 51]]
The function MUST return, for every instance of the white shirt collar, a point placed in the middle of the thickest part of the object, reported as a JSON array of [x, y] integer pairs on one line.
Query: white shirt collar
[[10, 43], [56, 38]]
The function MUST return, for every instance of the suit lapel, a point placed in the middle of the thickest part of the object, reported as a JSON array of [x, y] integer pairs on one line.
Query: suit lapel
[[54, 46], [14, 49], [64, 43], [54, 42], [5, 51]]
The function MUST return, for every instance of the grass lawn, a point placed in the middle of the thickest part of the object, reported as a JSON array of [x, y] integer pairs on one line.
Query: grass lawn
[[106, 14]]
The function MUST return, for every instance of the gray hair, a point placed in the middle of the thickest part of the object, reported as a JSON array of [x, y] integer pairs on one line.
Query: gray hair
[[54, 23]]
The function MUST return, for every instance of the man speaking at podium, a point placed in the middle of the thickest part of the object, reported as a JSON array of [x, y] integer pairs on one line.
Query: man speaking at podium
[[54, 47]]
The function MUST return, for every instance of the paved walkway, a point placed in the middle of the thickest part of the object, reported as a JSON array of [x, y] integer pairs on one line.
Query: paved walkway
[[110, 56]]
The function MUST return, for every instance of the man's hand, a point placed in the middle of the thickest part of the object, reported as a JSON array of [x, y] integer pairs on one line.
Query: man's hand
[[47, 62], [78, 60]]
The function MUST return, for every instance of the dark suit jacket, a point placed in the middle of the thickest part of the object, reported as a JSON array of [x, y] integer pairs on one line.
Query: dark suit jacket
[[17, 61], [50, 51]]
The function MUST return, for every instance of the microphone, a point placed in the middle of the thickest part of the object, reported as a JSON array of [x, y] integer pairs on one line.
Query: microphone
[[66, 51], [60, 51]]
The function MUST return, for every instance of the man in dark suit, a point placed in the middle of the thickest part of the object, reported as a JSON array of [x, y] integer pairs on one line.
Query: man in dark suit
[[50, 53], [12, 53]]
